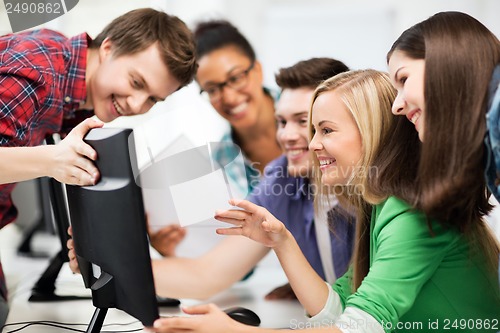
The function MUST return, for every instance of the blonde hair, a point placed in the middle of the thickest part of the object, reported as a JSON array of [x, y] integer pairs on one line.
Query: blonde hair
[[368, 96]]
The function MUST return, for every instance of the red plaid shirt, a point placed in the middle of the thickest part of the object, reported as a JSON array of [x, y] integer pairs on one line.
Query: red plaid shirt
[[42, 83]]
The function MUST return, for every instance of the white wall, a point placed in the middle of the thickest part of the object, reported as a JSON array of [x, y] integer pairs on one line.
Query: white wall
[[358, 32]]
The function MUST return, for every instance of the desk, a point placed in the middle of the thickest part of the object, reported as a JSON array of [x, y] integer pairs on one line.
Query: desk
[[22, 273]]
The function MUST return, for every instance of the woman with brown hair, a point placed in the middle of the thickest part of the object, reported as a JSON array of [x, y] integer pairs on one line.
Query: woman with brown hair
[[441, 68], [231, 77]]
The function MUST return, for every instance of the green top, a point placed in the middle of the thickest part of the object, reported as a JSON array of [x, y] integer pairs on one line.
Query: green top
[[421, 282]]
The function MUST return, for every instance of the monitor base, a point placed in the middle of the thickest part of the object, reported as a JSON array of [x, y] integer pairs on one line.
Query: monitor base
[[44, 289]]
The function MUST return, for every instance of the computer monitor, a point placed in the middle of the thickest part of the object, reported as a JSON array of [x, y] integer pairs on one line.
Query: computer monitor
[[109, 232]]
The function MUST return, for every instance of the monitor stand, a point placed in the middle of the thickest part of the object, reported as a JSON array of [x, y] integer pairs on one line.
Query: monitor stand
[[45, 223], [97, 320], [44, 288], [25, 248]]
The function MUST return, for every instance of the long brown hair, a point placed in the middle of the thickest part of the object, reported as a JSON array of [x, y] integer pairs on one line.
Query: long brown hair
[[460, 54]]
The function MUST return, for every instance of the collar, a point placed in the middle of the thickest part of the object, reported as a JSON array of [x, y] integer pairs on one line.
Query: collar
[[75, 90], [494, 85], [303, 190]]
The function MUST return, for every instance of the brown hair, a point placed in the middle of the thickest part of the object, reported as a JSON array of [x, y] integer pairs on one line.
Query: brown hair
[[140, 28], [309, 73], [460, 54]]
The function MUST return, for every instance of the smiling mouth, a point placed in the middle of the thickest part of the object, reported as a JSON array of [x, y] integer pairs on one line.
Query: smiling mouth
[[296, 152], [117, 107], [238, 109], [323, 163], [414, 116]]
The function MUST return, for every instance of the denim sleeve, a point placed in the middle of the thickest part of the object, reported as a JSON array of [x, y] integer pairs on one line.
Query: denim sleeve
[[492, 139]]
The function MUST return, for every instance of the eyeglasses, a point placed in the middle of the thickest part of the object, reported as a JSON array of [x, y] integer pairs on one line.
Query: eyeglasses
[[237, 82]]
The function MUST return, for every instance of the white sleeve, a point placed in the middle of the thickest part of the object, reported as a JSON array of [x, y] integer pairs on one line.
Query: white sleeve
[[354, 320], [332, 309]]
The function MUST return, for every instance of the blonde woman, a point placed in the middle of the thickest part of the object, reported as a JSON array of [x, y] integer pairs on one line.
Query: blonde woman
[[405, 270]]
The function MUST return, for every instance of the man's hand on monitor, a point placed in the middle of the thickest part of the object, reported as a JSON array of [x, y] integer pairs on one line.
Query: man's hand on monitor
[[282, 292], [73, 263], [166, 239], [71, 159]]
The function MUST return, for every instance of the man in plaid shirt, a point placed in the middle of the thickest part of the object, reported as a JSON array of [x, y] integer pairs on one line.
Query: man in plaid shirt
[[49, 84]]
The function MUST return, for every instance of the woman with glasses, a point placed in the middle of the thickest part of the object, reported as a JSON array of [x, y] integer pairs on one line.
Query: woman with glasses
[[231, 78]]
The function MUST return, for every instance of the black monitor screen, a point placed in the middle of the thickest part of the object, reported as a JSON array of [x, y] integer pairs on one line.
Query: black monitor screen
[[109, 230]]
